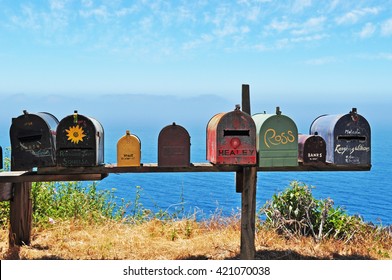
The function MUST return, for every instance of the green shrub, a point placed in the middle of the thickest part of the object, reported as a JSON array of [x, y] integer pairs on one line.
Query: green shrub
[[296, 212]]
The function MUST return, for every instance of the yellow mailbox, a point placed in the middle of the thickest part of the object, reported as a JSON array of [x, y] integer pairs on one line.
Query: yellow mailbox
[[128, 150]]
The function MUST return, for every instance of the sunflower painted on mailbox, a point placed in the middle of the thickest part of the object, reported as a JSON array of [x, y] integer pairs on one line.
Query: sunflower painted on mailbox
[[128, 150], [231, 139], [276, 140], [80, 141]]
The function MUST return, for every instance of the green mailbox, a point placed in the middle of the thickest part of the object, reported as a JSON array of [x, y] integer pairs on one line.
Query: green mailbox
[[276, 140]]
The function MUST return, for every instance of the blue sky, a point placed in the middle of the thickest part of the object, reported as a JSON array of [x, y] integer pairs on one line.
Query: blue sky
[[300, 47]]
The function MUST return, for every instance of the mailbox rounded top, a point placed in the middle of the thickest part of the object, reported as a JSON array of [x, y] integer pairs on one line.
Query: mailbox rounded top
[[35, 120], [236, 119], [328, 123], [261, 120]]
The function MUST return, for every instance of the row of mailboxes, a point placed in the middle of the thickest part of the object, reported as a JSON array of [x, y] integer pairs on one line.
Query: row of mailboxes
[[40, 140], [232, 138]]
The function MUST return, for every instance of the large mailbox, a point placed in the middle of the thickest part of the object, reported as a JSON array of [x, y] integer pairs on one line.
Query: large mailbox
[[231, 139], [128, 150], [347, 137], [174, 146], [276, 140], [80, 141], [33, 141], [311, 149]]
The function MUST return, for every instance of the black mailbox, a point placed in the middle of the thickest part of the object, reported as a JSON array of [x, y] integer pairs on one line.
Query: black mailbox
[[33, 141], [311, 149], [174, 146], [80, 141], [347, 138]]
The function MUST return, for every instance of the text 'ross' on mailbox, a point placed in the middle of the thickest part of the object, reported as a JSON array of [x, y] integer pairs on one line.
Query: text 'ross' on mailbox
[[231, 138], [347, 137], [80, 141]]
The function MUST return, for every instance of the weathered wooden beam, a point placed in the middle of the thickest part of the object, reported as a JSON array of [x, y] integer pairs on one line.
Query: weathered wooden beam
[[26, 176], [248, 197], [21, 214]]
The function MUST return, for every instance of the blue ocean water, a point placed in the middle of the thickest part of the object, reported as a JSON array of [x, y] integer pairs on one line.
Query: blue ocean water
[[367, 194]]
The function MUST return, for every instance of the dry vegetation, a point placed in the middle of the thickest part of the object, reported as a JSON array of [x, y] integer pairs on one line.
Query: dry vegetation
[[186, 239]]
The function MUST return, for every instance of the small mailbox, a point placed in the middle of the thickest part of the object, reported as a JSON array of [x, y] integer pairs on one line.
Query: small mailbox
[[33, 141], [347, 137], [128, 150], [80, 141], [174, 146], [231, 138], [311, 149], [276, 140]]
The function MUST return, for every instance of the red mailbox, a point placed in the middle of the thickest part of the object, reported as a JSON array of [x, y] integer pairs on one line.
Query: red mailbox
[[174, 145], [231, 138]]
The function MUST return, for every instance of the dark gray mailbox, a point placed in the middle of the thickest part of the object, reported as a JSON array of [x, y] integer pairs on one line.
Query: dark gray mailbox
[[80, 141], [347, 138], [33, 141], [311, 149]]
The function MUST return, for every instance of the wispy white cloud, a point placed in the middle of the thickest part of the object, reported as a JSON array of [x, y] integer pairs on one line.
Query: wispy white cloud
[[354, 16], [386, 27], [367, 31], [312, 25], [321, 61], [300, 5]]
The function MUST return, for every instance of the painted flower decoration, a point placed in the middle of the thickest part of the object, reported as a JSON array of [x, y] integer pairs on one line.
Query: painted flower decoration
[[75, 134]]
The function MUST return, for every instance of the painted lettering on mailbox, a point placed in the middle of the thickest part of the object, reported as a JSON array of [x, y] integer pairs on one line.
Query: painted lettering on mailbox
[[272, 138], [239, 152]]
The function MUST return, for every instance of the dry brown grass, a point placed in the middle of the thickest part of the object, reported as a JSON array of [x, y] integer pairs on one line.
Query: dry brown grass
[[187, 239]]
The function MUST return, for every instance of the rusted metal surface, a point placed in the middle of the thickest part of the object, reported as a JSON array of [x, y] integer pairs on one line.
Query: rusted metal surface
[[80, 141], [174, 146], [231, 139], [347, 137], [33, 141], [311, 149], [128, 150]]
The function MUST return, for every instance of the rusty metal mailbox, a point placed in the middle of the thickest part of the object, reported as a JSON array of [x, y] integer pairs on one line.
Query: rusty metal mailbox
[[128, 150], [276, 140], [347, 137], [311, 149], [174, 146], [231, 139], [80, 141], [33, 141]]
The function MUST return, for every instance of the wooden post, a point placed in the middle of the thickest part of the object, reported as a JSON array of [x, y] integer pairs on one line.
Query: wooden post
[[21, 211], [248, 197]]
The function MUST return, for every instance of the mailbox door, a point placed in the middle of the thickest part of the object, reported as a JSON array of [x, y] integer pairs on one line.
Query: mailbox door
[[128, 151], [236, 139], [174, 146], [276, 140], [352, 140], [79, 142], [33, 141]]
